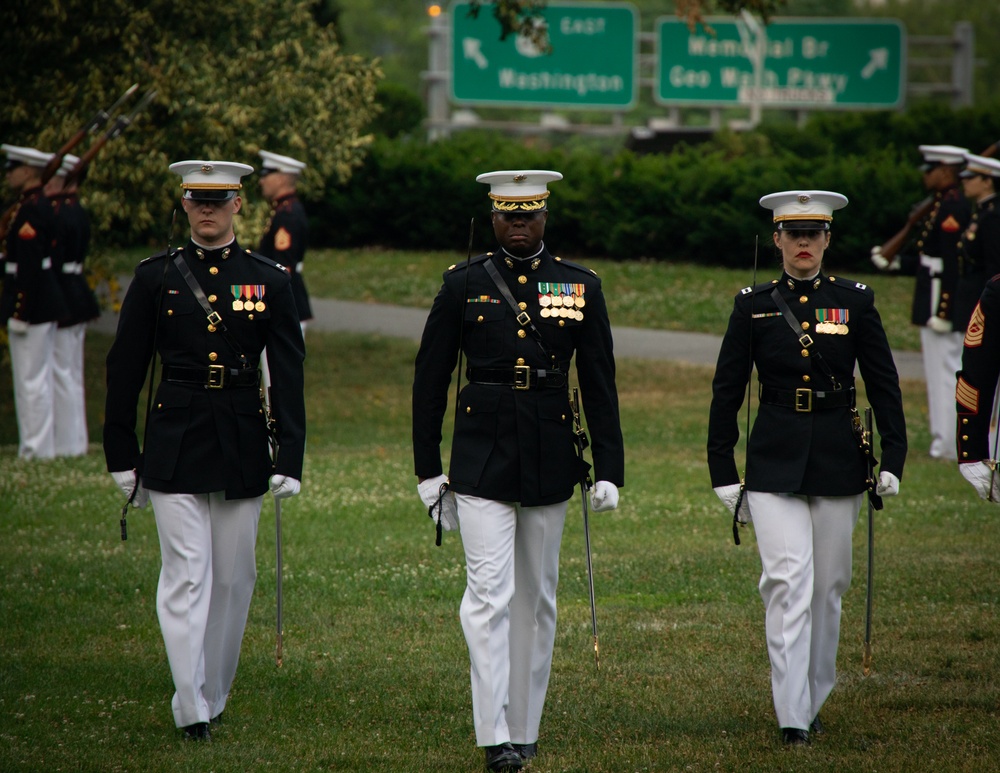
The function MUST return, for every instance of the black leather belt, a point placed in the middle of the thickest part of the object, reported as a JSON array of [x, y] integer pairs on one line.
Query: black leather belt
[[518, 377], [807, 400], [212, 377]]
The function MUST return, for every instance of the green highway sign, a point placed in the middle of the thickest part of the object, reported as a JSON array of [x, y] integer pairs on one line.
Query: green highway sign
[[592, 63], [814, 63]]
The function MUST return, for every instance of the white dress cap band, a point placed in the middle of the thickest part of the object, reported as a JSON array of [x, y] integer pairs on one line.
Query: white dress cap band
[[803, 209], [519, 190]]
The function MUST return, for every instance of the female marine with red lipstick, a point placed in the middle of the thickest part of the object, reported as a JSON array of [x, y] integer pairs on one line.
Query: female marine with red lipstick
[[805, 472]]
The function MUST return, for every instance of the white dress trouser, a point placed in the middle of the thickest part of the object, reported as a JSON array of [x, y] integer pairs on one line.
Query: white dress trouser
[[508, 612], [942, 360], [31, 366], [805, 554], [207, 577], [70, 410]]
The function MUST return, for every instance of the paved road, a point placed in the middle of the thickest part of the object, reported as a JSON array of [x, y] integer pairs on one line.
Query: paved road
[[400, 322]]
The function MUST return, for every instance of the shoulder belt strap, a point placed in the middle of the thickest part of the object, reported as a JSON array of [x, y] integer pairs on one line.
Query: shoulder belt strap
[[213, 317], [805, 340], [523, 318]]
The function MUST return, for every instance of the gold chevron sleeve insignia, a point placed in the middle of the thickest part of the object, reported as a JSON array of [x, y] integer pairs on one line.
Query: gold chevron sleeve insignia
[[967, 395], [974, 332]]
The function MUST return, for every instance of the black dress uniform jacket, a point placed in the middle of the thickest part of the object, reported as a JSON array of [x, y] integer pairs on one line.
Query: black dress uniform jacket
[[979, 258], [31, 290], [202, 439], [940, 233], [72, 243], [977, 380], [284, 241], [516, 445], [812, 452]]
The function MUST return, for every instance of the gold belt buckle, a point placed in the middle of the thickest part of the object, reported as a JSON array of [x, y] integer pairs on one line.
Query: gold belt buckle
[[803, 400], [216, 375], [522, 377]]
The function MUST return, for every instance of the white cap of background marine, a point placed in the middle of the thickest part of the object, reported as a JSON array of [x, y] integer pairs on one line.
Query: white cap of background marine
[[210, 180]]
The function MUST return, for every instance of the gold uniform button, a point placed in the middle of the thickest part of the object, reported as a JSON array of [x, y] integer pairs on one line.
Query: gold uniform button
[[520, 360], [522, 280], [213, 356], [965, 437], [522, 305], [521, 334], [562, 323], [213, 298], [213, 270], [468, 409], [479, 318], [170, 312], [805, 325], [249, 316], [211, 328], [965, 454], [805, 352], [806, 378], [965, 421], [803, 299]]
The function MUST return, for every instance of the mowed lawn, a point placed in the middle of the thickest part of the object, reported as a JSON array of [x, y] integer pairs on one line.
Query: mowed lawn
[[375, 673]]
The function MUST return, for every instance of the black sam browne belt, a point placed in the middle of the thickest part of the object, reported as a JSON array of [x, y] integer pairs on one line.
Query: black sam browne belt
[[807, 400], [518, 377], [212, 377]]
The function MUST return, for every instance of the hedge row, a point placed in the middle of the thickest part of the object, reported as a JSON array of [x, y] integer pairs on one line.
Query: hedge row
[[697, 203]]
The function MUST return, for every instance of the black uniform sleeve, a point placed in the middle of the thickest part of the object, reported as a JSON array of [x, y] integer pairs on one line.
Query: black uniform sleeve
[[732, 372], [435, 361], [878, 370]]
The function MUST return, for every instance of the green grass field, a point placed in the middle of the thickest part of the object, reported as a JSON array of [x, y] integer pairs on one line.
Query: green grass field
[[375, 674]]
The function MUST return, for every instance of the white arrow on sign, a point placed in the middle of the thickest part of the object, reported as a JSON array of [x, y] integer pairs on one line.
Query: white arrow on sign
[[879, 61], [470, 47]]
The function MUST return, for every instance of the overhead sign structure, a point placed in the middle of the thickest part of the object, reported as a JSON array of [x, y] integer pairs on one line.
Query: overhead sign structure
[[808, 63], [592, 64]]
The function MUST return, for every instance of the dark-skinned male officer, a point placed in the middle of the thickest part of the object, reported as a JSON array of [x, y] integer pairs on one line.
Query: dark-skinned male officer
[[513, 465], [208, 310]]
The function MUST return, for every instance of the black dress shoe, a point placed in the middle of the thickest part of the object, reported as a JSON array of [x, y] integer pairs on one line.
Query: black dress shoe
[[197, 732], [793, 736], [526, 750], [816, 726], [503, 758]]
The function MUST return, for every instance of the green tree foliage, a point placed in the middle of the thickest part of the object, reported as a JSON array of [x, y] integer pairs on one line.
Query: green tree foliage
[[230, 79]]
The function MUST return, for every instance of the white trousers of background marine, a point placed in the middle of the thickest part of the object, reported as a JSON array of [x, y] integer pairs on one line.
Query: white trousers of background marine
[[508, 612], [31, 368], [70, 410], [207, 578], [805, 554], [942, 353]]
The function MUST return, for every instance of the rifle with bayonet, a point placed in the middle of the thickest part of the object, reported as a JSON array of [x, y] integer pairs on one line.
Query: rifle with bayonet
[[96, 122], [115, 130]]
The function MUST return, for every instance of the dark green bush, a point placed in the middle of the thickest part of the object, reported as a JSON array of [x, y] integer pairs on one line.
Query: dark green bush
[[697, 203]]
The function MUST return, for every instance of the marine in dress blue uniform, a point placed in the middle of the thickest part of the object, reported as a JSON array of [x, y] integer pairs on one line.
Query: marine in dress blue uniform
[[31, 301], [936, 307], [979, 248], [805, 472], [287, 233], [513, 466], [205, 463], [69, 256]]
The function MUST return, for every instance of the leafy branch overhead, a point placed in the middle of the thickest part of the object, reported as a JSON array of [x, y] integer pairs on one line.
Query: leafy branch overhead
[[525, 17]]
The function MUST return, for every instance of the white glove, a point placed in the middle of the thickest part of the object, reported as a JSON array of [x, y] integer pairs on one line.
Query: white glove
[[430, 492], [283, 487], [729, 496], [939, 325], [604, 497], [18, 326], [877, 260], [888, 484], [126, 481], [979, 474]]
